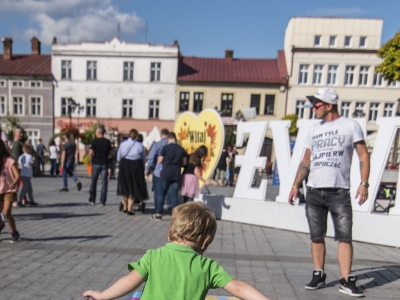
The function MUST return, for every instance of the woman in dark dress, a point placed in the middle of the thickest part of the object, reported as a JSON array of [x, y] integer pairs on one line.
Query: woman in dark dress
[[131, 182]]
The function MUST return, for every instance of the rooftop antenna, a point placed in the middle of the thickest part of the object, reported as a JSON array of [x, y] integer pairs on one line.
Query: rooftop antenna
[[119, 31], [145, 33], [68, 34]]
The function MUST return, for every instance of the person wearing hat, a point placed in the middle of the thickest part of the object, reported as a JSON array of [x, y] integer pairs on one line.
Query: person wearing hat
[[326, 163]]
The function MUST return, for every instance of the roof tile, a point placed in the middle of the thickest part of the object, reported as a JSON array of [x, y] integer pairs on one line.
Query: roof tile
[[26, 64]]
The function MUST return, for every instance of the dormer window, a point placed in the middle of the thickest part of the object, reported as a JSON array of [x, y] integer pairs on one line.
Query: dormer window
[[347, 41], [363, 41], [332, 41]]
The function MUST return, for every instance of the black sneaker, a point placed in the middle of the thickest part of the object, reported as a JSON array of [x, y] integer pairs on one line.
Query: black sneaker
[[14, 237], [318, 280], [349, 287], [33, 203], [79, 185], [20, 204], [156, 217], [64, 189]]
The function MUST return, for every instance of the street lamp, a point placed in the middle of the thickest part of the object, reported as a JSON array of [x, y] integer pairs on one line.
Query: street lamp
[[75, 107]]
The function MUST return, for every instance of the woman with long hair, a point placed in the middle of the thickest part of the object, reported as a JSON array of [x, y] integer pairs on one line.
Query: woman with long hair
[[192, 174], [131, 182], [9, 179]]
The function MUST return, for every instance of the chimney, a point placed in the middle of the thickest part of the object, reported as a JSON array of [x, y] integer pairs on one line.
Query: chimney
[[229, 54], [176, 43], [35, 43], [54, 41], [7, 48]]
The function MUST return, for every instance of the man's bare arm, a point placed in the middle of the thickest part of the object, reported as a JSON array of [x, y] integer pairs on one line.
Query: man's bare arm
[[363, 155], [302, 173]]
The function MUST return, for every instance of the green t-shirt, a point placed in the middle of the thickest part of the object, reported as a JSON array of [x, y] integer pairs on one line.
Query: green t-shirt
[[16, 150], [178, 272]]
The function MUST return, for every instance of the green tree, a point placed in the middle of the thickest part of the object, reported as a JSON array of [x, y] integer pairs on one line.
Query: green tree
[[390, 53], [293, 127]]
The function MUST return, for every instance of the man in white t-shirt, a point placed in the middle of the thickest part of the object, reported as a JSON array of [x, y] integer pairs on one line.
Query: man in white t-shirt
[[25, 162], [326, 164]]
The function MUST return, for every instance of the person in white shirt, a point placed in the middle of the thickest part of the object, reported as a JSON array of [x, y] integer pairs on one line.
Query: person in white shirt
[[54, 153], [25, 162]]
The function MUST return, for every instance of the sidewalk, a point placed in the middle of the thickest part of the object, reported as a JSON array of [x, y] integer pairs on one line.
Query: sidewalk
[[68, 246]]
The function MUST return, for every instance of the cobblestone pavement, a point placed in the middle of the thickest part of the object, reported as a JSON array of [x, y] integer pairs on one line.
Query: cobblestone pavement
[[68, 246]]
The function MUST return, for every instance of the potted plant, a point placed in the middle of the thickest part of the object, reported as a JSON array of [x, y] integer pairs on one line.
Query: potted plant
[[86, 163]]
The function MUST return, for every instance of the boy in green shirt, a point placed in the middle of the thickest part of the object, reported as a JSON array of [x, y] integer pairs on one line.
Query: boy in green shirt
[[178, 270]]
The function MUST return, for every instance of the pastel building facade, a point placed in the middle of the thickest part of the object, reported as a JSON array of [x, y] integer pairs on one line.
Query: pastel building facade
[[340, 53], [26, 90], [122, 85]]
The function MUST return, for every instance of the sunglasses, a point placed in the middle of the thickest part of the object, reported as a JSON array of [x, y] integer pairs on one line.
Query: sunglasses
[[318, 105]]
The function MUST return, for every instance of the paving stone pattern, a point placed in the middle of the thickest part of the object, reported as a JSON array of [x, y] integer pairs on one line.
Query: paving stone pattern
[[68, 246]]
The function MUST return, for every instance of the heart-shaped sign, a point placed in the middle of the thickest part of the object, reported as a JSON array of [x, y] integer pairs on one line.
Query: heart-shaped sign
[[205, 129]]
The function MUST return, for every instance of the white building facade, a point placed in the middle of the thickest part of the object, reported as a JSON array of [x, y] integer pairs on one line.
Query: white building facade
[[122, 85], [340, 53]]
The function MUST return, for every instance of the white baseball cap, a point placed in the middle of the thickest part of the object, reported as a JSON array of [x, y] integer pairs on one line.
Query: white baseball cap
[[326, 95]]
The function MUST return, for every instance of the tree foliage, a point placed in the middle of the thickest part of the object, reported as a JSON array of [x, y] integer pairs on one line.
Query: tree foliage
[[293, 127], [390, 53], [12, 122]]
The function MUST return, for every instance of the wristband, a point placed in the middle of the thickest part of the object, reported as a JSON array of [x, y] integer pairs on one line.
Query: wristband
[[294, 187]]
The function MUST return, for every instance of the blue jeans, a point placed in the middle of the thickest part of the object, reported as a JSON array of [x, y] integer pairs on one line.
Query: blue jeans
[[166, 189], [337, 201], [53, 164], [96, 170], [68, 170]]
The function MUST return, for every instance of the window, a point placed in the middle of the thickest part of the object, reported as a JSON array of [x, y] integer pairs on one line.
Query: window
[[332, 75], [363, 41], [347, 41], [154, 108], [300, 108], [36, 106], [363, 79], [377, 79], [2, 105], [33, 137], [345, 109], [349, 75], [155, 71], [2, 83], [255, 102], [388, 110], [36, 84], [317, 41], [317, 78], [90, 107], [65, 107], [359, 112], [373, 112], [184, 101], [66, 69], [332, 41], [18, 106], [127, 105], [392, 83], [18, 84], [226, 105], [91, 70], [269, 104], [198, 102], [303, 74], [128, 71]]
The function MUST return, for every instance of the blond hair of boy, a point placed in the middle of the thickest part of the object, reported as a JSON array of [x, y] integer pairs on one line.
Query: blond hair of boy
[[178, 270]]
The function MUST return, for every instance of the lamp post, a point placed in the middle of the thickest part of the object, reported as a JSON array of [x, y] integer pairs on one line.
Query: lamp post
[[75, 107]]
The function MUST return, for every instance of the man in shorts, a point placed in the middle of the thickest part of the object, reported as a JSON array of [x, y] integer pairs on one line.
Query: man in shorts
[[326, 163]]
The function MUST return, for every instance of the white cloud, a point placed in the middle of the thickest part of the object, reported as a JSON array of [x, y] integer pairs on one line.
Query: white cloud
[[338, 12], [73, 20]]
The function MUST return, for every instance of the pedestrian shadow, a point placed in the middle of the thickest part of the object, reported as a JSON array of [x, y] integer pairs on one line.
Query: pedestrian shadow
[[45, 216], [216, 203], [376, 276], [68, 204], [62, 238]]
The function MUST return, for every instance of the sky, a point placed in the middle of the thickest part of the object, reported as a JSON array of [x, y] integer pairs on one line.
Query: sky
[[252, 28]]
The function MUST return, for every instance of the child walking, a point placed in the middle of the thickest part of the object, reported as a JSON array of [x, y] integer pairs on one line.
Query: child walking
[[9, 178], [179, 270], [25, 161]]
